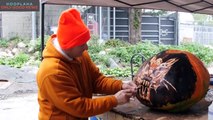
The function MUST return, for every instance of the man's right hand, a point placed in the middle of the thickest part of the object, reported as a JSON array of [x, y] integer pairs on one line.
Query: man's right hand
[[123, 96]]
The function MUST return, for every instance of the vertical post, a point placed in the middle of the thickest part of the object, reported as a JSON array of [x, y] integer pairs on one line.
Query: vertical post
[[177, 28], [159, 30], [108, 22], [42, 27], [1, 30], [100, 24], [33, 25], [113, 22], [96, 13]]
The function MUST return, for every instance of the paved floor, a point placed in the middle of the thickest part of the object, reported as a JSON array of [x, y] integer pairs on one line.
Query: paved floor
[[19, 107], [18, 101]]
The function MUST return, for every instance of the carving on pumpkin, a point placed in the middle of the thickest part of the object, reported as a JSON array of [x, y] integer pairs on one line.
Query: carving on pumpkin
[[153, 75], [172, 80]]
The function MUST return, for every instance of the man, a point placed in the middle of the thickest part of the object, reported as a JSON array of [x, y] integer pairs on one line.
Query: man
[[67, 77]]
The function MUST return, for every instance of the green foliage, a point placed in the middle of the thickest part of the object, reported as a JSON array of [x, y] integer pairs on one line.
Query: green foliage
[[22, 58], [17, 61], [94, 49], [117, 72], [11, 42], [94, 46], [37, 46], [93, 40], [16, 39], [121, 53], [115, 43], [118, 50], [147, 49], [100, 60], [202, 52], [4, 43]]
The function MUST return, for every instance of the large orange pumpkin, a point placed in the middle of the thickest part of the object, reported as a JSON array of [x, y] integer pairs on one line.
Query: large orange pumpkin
[[172, 80]]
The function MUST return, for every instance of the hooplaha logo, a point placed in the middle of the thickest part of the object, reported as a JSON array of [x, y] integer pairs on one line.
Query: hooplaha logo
[[19, 5]]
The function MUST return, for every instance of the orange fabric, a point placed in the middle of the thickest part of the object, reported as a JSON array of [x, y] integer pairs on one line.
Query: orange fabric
[[65, 87], [71, 31]]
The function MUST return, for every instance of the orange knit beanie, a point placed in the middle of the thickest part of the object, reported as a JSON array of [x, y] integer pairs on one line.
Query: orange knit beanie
[[72, 31]]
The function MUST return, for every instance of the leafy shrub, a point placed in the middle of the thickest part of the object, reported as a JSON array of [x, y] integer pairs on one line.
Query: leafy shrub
[[202, 52], [95, 49], [37, 46], [94, 46], [117, 72], [17, 61], [100, 60], [93, 40], [16, 39], [118, 50], [148, 49], [120, 72], [115, 43], [4, 43]]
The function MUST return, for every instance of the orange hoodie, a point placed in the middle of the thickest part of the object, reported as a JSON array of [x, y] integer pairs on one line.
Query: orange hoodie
[[65, 87]]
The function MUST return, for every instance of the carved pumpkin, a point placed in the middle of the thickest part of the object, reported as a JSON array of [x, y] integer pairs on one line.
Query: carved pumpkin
[[172, 80]]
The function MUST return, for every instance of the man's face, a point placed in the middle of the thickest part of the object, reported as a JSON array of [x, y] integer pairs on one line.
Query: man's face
[[76, 51]]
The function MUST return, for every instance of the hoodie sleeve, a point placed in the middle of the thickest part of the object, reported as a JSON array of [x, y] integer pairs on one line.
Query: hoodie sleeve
[[101, 83], [66, 97]]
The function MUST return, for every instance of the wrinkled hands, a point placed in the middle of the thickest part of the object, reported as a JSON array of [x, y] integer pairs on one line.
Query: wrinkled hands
[[124, 95], [130, 85]]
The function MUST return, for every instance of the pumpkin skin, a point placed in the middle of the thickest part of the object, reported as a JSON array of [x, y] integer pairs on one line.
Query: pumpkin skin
[[172, 80]]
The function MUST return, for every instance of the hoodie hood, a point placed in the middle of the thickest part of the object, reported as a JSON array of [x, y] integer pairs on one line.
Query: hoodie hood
[[51, 52]]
